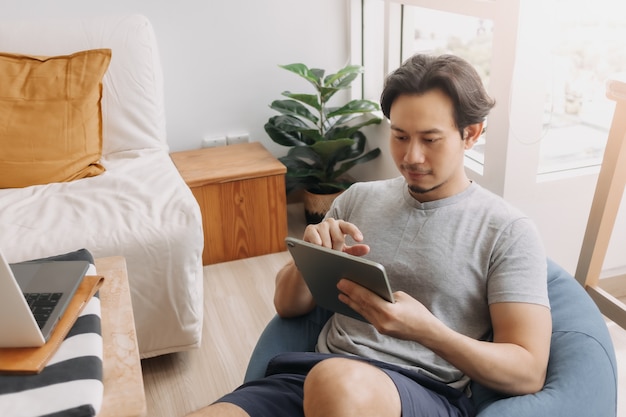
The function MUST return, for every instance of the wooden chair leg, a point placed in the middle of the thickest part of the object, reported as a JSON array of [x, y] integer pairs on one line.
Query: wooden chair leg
[[604, 209]]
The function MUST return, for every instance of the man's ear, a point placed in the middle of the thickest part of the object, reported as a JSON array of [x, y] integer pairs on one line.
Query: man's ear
[[471, 134]]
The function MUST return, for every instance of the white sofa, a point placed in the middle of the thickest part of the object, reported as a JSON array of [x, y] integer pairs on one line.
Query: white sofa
[[140, 207]]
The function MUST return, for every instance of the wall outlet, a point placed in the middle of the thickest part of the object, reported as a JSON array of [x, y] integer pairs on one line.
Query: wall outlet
[[234, 138], [213, 141]]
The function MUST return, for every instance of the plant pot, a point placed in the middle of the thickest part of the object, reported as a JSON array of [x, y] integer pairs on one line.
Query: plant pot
[[317, 205]]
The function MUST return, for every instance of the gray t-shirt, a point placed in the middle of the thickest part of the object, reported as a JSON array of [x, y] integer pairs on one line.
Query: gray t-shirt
[[455, 255]]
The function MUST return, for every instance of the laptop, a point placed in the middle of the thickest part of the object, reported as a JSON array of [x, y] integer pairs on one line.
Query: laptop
[[33, 297], [322, 268]]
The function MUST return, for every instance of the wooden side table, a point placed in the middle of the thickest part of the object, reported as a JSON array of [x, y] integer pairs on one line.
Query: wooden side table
[[241, 192], [124, 395]]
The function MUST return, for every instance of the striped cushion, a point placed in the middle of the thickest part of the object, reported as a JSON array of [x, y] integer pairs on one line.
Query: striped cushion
[[71, 382]]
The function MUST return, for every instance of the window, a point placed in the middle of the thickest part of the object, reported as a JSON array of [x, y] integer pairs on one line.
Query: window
[[587, 43], [576, 45]]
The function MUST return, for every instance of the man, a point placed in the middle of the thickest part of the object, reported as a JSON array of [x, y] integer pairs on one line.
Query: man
[[469, 273]]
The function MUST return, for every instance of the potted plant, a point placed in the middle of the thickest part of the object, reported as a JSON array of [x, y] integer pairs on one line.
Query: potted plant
[[325, 141]]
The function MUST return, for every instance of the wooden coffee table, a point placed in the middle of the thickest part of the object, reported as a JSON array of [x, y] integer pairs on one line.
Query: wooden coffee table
[[123, 382]]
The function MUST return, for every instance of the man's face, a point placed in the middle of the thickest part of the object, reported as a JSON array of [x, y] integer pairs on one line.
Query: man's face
[[426, 145]]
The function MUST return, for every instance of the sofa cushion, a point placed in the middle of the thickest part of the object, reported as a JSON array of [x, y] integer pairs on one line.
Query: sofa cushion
[[50, 117]]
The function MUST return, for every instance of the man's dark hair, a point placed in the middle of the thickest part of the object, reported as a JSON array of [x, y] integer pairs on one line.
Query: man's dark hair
[[454, 76]]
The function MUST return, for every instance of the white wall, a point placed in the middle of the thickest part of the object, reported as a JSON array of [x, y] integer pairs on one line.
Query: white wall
[[220, 57]]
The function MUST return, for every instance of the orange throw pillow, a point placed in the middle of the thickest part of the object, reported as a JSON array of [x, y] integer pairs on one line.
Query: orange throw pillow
[[51, 117]]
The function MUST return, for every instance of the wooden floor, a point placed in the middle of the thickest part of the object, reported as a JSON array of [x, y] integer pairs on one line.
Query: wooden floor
[[238, 304]]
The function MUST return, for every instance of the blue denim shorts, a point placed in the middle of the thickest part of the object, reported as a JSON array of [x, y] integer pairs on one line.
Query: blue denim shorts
[[280, 393]]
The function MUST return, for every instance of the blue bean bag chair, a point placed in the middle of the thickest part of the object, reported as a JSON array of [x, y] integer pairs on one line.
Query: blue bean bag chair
[[582, 371]]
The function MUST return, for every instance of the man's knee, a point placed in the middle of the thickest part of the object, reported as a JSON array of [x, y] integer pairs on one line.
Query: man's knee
[[340, 373], [337, 383]]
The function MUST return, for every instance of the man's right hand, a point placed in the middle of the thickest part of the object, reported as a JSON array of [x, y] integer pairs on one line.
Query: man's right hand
[[331, 233], [292, 296]]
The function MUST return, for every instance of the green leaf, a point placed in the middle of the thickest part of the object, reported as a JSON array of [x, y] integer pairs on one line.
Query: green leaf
[[326, 149], [297, 176], [294, 164], [354, 106], [330, 187], [294, 108], [374, 153], [296, 137], [312, 76], [281, 137], [344, 77], [338, 129], [319, 74], [308, 99], [307, 153], [301, 70], [347, 152], [355, 150], [304, 174], [326, 93], [286, 130], [339, 81]]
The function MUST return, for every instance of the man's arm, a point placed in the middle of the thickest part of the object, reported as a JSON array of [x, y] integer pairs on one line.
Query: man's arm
[[514, 363], [292, 296], [517, 359]]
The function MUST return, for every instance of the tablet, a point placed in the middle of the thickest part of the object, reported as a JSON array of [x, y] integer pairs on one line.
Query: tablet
[[322, 268]]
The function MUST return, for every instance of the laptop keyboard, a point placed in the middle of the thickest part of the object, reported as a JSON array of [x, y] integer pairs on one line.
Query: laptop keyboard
[[42, 305]]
